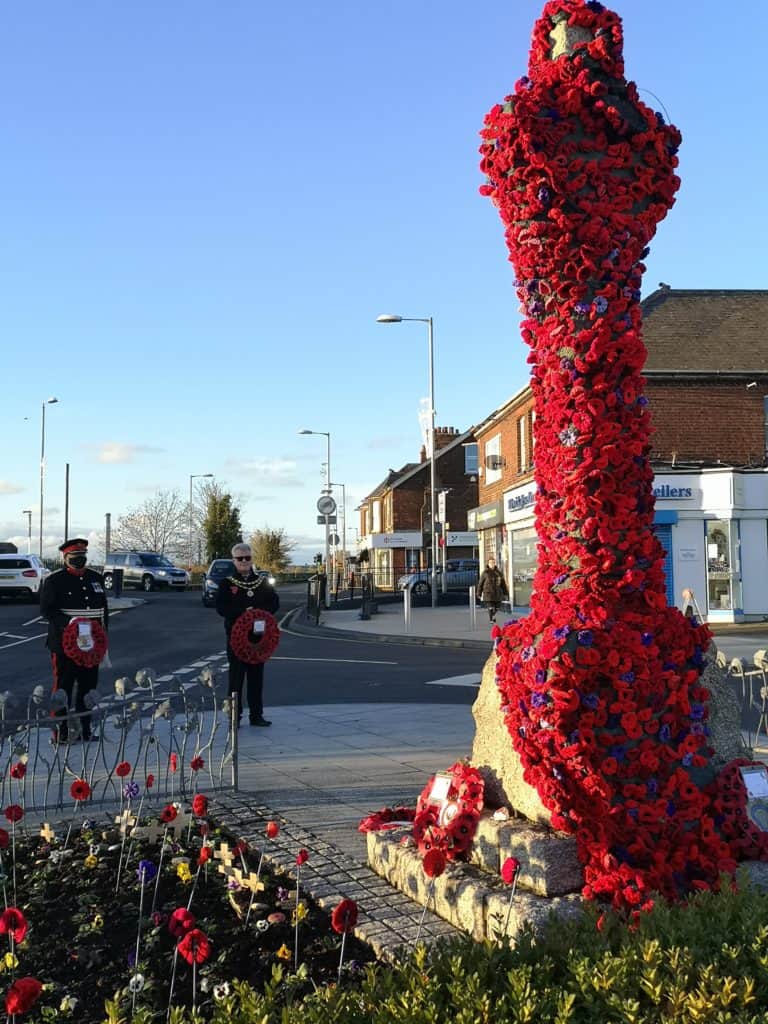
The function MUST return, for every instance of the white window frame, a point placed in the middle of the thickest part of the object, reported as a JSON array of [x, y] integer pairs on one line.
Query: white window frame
[[492, 447]]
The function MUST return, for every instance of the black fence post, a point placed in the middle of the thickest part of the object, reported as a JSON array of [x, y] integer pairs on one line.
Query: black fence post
[[365, 602]]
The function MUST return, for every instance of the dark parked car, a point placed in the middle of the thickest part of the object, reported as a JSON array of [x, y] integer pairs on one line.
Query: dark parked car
[[218, 570], [145, 569]]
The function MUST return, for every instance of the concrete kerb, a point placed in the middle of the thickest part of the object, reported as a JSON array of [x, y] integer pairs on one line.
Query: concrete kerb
[[297, 623]]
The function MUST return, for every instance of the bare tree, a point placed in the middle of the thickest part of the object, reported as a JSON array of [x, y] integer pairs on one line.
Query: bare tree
[[271, 548], [159, 524]]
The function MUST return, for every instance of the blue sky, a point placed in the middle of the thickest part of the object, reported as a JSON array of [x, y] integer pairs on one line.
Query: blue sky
[[203, 208]]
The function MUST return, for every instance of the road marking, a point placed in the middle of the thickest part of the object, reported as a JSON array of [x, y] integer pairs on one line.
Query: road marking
[[336, 661], [31, 622], [199, 664], [16, 643], [164, 679], [473, 679], [183, 671], [13, 636]]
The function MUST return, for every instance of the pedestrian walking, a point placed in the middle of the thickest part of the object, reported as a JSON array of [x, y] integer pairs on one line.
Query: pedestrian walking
[[74, 592], [351, 584], [492, 589], [242, 590]]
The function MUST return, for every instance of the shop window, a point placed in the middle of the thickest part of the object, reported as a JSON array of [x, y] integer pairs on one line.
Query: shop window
[[723, 584], [524, 561], [376, 526]]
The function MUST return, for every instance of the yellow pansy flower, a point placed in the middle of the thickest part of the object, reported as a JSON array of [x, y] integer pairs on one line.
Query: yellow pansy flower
[[9, 962], [98, 921], [182, 870], [299, 913], [91, 861], [284, 953]]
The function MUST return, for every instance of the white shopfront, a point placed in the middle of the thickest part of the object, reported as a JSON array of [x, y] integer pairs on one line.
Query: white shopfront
[[713, 525], [381, 549]]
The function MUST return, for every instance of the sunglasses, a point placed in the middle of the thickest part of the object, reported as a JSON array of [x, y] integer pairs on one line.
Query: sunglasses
[[242, 558]]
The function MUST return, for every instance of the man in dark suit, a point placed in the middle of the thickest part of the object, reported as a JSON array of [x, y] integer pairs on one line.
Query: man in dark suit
[[242, 590], [73, 592]]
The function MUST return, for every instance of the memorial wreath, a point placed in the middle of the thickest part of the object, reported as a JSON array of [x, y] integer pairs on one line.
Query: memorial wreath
[[254, 648], [449, 825], [88, 655]]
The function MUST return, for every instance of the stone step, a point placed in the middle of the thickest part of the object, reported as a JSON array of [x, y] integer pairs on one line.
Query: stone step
[[470, 899], [548, 862]]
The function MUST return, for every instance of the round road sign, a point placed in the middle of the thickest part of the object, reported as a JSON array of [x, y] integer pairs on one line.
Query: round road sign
[[326, 506]]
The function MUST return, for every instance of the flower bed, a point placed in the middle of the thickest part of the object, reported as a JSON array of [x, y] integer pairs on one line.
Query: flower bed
[[89, 898]]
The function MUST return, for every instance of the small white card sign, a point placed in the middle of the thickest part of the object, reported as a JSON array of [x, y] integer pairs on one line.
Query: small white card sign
[[440, 787], [756, 781], [84, 636], [259, 626]]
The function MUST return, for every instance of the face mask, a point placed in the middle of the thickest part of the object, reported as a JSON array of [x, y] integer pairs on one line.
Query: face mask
[[77, 561]]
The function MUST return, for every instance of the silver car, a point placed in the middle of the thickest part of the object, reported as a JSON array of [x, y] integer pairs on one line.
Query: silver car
[[461, 574], [21, 575]]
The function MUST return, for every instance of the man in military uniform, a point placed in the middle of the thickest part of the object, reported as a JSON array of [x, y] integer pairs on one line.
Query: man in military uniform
[[245, 589], [69, 593]]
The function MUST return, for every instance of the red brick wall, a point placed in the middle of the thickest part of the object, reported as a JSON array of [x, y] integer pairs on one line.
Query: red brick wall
[[512, 473], [707, 421]]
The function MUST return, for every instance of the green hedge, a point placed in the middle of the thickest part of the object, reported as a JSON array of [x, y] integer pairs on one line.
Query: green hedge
[[704, 963]]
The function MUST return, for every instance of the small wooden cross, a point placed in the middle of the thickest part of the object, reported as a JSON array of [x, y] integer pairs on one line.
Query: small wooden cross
[[248, 881], [47, 833], [125, 821], [152, 833], [226, 856], [182, 820]]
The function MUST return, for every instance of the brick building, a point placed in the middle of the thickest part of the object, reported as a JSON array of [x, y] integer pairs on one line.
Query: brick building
[[704, 348], [707, 385], [395, 528]]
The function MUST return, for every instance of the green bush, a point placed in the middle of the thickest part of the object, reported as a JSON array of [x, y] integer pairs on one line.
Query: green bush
[[703, 963]]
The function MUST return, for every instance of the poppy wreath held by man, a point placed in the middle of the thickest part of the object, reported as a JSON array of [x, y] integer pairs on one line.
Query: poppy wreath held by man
[[251, 647], [450, 825], [90, 654]]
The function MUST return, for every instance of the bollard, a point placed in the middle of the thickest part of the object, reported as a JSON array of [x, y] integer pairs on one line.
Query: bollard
[[407, 608], [473, 607], [365, 599]]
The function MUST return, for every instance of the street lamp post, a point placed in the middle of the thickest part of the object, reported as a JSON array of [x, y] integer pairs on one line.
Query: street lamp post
[[343, 527], [48, 401], [392, 318], [193, 476], [28, 513], [327, 436]]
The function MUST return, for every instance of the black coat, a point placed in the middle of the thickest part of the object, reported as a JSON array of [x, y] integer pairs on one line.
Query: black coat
[[492, 587], [236, 594], [65, 596]]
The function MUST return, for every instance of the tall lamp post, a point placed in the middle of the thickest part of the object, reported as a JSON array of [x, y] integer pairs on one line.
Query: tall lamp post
[[193, 476], [48, 401], [28, 513], [392, 318], [344, 528], [327, 436]]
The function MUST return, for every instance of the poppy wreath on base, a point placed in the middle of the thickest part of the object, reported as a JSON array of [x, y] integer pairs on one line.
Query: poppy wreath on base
[[71, 646], [385, 819], [450, 827], [242, 642]]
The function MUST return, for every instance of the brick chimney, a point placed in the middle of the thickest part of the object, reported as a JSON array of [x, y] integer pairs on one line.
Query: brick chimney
[[444, 436]]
